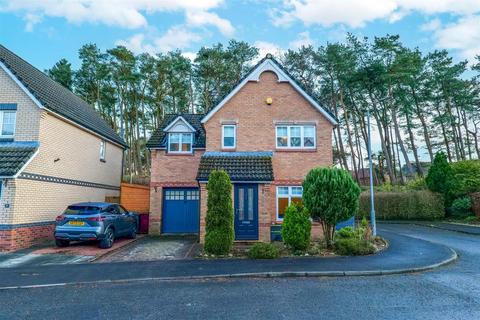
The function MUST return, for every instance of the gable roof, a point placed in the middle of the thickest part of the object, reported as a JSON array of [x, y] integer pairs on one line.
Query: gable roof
[[240, 166], [14, 157], [270, 64], [158, 140], [176, 120], [49, 94]]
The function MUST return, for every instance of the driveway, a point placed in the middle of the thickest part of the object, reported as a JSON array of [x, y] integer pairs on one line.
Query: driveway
[[49, 254], [449, 292], [154, 249]]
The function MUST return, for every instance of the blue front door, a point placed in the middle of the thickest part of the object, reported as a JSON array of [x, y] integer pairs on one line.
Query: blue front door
[[180, 210], [246, 211]]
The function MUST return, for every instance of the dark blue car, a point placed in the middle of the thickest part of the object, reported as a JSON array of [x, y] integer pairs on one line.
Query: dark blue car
[[99, 221]]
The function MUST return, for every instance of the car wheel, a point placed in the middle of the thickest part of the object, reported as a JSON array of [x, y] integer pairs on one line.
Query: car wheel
[[133, 233], [62, 243], [107, 242]]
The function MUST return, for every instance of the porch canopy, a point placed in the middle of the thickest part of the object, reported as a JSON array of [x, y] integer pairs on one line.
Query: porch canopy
[[240, 166], [14, 156]]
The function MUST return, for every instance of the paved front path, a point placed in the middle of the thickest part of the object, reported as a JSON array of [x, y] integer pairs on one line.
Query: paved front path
[[403, 253], [449, 292]]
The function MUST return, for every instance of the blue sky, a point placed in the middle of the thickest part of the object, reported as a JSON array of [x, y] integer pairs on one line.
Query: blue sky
[[45, 31]]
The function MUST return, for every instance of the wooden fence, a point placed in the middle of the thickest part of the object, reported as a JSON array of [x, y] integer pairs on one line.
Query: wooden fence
[[135, 197]]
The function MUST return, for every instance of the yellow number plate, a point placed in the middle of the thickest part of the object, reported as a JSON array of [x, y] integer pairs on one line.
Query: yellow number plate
[[76, 223]]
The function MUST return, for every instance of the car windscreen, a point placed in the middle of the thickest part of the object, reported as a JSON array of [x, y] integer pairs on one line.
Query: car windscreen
[[82, 210]]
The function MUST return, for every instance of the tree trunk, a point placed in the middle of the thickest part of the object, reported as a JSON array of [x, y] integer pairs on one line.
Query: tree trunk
[[400, 142], [414, 148]]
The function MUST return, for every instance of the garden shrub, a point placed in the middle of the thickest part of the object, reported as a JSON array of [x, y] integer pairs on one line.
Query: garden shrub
[[439, 175], [418, 183], [345, 233], [219, 219], [466, 178], [407, 205], [461, 207], [353, 246], [296, 228], [331, 195], [262, 250]]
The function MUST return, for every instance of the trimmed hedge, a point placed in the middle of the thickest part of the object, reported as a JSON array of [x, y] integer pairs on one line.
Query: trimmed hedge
[[408, 205]]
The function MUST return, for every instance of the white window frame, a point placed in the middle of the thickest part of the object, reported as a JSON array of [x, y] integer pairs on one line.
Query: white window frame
[[290, 195], [103, 149], [234, 136], [302, 136], [2, 113], [180, 142]]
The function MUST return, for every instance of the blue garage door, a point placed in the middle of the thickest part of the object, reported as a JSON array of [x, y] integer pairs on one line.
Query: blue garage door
[[180, 210]]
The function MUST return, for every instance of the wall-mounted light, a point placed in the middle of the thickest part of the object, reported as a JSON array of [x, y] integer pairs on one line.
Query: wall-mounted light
[[269, 100], [56, 160]]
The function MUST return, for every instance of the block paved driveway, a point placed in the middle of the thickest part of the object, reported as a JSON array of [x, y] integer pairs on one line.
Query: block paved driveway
[[48, 254], [155, 248]]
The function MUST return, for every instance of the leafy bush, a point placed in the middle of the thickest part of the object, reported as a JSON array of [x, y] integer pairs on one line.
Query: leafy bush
[[345, 233], [408, 205], [439, 175], [263, 250], [418, 183], [219, 219], [466, 178], [353, 246], [461, 207], [296, 228], [331, 195]]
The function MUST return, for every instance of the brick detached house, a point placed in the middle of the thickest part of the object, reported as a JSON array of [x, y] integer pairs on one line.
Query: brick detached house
[[267, 133], [54, 150]]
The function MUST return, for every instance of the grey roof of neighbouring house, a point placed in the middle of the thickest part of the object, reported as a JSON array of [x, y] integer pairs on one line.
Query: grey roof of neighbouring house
[[14, 155], [240, 166], [159, 137], [56, 97]]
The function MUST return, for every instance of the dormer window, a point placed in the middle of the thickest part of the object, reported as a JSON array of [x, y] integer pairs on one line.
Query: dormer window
[[180, 142], [180, 135]]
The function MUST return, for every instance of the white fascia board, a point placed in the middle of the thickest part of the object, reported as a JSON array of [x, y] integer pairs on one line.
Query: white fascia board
[[27, 163], [20, 84], [179, 118], [269, 65]]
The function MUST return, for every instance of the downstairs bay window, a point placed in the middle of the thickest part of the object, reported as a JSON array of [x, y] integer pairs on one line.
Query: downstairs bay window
[[285, 196]]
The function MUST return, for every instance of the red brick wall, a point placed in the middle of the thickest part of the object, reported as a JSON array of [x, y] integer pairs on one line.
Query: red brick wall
[[21, 238], [169, 171], [256, 125]]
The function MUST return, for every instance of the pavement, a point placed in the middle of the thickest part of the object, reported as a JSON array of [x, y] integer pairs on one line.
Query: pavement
[[405, 254], [49, 254], [448, 292]]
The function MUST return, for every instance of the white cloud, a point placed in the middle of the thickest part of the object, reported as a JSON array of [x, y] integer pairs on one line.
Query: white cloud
[[432, 25], [203, 18], [462, 35], [303, 40], [356, 13], [31, 20], [189, 55], [122, 13], [265, 47], [177, 37]]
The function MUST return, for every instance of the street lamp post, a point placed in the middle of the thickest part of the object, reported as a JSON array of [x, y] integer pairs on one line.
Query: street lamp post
[[372, 202]]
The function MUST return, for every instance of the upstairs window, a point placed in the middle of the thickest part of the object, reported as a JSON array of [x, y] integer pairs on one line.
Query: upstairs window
[[295, 137], [180, 142], [103, 147], [7, 124], [229, 136]]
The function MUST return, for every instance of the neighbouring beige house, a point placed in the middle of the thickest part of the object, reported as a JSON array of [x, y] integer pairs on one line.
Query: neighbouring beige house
[[55, 150]]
